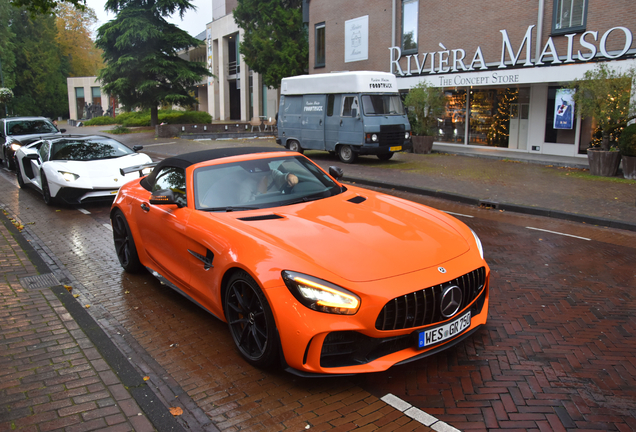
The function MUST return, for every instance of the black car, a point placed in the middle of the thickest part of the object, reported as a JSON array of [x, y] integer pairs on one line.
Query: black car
[[18, 131]]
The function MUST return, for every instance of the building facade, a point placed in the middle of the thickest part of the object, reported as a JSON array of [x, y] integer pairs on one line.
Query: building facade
[[234, 91], [504, 66]]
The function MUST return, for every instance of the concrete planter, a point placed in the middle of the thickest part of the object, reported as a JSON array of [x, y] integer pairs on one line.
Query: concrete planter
[[629, 167], [422, 144], [603, 163]]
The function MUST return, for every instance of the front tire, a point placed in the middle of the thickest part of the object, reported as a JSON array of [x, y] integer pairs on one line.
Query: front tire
[[8, 162], [346, 154], [124, 243], [18, 174], [385, 156], [46, 191], [294, 146], [251, 321]]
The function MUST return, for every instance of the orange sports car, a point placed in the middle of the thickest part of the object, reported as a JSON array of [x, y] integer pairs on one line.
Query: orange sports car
[[323, 277]]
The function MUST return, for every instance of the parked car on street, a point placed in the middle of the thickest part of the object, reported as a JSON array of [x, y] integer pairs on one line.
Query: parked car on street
[[323, 277], [77, 168], [16, 132]]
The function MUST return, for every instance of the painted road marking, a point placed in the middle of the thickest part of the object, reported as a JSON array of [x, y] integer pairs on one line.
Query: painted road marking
[[108, 226], [417, 414], [84, 211], [559, 233]]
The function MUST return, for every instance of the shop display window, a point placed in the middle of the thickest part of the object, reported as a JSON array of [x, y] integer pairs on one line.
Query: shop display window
[[451, 127]]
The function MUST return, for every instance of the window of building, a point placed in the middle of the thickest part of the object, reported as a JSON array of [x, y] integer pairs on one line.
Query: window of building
[[320, 45], [410, 10], [569, 16], [97, 95], [79, 101]]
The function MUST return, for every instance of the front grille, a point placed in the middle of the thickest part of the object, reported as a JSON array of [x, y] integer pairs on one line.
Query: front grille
[[391, 135], [422, 307]]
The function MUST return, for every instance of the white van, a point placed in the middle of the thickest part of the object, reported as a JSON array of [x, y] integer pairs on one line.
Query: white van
[[346, 113]]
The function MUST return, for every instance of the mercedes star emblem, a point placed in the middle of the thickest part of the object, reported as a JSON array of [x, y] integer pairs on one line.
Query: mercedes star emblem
[[441, 269], [451, 301]]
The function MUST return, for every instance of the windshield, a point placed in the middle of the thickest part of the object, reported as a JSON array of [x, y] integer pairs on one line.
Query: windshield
[[382, 105], [88, 149], [261, 183], [30, 127]]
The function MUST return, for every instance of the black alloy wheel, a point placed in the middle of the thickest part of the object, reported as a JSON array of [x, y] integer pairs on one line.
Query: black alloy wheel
[[251, 321], [46, 192], [346, 154], [8, 161], [124, 243], [385, 156], [294, 146]]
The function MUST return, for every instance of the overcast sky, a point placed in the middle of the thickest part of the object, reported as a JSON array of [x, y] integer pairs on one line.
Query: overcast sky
[[193, 21]]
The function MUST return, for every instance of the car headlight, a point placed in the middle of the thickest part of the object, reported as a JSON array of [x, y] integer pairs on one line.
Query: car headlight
[[374, 138], [479, 246], [69, 177], [407, 135], [15, 146], [320, 295]]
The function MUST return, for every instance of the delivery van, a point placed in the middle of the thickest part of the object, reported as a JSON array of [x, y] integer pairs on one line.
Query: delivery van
[[344, 113]]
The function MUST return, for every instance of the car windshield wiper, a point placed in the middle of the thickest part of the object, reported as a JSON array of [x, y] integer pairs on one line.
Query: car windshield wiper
[[307, 198], [231, 208]]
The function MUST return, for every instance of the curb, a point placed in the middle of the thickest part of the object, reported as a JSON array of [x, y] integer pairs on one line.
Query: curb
[[518, 208]]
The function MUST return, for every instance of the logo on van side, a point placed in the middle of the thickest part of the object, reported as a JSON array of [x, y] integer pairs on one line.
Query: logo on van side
[[380, 85], [312, 106]]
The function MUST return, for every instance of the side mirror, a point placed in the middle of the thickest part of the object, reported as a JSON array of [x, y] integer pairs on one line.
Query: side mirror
[[336, 172], [165, 197], [137, 148], [32, 156]]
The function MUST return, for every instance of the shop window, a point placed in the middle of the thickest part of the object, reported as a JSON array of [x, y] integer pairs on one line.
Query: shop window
[[558, 106], [492, 112], [569, 16], [96, 95], [410, 10], [320, 46], [451, 127]]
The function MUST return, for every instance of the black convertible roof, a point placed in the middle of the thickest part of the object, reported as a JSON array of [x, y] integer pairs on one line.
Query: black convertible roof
[[187, 159]]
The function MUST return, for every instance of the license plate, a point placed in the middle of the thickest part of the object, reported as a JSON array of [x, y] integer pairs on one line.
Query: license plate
[[439, 334], [395, 148], [113, 192]]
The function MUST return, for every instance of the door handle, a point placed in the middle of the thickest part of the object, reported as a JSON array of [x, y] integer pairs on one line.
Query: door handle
[[320, 122], [340, 122], [145, 207]]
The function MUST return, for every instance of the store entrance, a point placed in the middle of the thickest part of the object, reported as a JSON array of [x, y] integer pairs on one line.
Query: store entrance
[[518, 127]]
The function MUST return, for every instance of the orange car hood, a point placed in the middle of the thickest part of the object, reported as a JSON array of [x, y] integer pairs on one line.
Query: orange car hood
[[376, 239]]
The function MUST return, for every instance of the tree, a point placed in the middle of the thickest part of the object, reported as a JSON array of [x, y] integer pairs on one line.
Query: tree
[[74, 39], [143, 68], [40, 69], [605, 94], [275, 40], [45, 7], [426, 104]]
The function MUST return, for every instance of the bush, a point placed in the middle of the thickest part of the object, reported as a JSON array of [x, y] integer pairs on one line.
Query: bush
[[142, 118], [99, 121], [627, 141]]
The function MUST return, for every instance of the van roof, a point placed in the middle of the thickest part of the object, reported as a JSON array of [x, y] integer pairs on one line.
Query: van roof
[[340, 82]]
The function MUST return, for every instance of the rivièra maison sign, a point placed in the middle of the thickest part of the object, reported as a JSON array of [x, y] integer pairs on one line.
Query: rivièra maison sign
[[455, 60]]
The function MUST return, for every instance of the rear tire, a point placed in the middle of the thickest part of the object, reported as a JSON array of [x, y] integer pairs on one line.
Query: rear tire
[[251, 321], [124, 243], [294, 145], [346, 154]]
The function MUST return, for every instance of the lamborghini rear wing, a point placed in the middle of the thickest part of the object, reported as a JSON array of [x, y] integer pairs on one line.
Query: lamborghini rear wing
[[139, 168]]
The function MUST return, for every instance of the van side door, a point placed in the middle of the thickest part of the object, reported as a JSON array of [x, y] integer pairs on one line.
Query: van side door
[[351, 126], [289, 118], [332, 122], [313, 122]]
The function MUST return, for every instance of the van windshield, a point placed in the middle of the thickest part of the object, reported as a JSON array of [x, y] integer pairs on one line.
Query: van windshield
[[382, 105]]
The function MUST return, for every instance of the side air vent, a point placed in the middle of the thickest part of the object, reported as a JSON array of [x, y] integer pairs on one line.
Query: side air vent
[[357, 200], [261, 217]]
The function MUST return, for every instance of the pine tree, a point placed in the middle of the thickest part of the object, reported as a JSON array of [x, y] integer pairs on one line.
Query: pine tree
[[143, 68]]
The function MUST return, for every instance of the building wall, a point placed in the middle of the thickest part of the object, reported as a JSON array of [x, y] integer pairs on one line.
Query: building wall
[[86, 83]]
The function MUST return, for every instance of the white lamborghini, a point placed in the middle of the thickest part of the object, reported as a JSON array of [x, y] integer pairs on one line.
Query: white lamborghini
[[78, 168]]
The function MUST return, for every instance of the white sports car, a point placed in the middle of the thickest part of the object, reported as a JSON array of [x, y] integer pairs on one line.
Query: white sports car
[[78, 168]]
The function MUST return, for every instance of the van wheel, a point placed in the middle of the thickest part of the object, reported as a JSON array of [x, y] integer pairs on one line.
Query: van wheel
[[385, 156], [346, 154], [294, 146]]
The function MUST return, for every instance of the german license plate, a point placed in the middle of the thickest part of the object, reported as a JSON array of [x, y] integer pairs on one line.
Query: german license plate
[[395, 148], [439, 334]]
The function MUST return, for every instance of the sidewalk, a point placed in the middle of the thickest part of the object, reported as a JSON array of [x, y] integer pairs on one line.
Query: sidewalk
[[58, 368]]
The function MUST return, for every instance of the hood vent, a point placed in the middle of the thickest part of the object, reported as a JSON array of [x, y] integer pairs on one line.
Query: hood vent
[[261, 217], [357, 200]]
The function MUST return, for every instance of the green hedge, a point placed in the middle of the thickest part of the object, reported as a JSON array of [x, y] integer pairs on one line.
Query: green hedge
[[627, 141], [142, 118]]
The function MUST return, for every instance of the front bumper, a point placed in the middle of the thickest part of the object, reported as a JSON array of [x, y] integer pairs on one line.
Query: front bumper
[[376, 149], [78, 196], [317, 344]]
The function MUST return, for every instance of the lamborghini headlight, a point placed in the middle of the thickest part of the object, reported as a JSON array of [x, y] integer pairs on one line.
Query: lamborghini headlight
[[320, 295], [479, 246], [69, 177]]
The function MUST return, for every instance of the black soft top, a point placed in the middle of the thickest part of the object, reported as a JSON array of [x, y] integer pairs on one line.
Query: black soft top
[[187, 159]]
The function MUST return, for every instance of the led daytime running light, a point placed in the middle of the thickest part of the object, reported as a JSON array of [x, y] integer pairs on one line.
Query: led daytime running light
[[312, 290]]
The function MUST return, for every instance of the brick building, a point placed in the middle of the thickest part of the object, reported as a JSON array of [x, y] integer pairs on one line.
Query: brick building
[[503, 65]]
